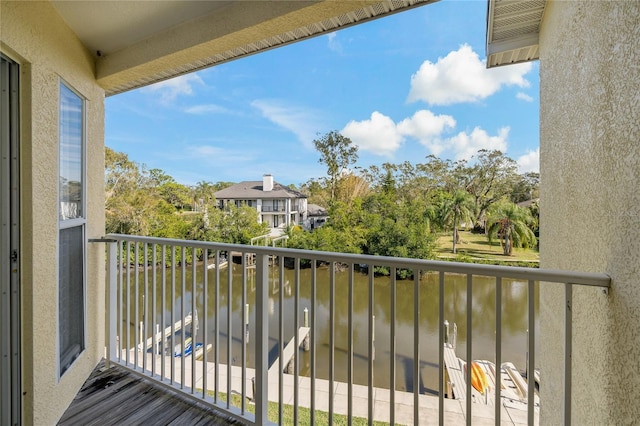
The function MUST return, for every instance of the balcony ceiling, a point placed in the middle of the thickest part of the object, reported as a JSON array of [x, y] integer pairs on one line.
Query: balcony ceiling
[[137, 43], [513, 27]]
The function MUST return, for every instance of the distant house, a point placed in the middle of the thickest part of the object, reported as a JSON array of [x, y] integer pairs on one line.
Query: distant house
[[528, 203], [278, 206], [316, 217]]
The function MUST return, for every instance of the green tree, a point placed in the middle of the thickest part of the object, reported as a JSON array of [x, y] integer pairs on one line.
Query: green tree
[[237, 225], [316, 192], [337, 152], [123, 200], [121, 174], [202, 194], [157, 177], [490, 179], [534, 210], [325, 238], [510, 224], [457, 209], [176, 194], [526, 187]]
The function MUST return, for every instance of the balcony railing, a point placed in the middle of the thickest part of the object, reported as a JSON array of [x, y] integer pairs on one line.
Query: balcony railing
[[271, 209], [274, 330]]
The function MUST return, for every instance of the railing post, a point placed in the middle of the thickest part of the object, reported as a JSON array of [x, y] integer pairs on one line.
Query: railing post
[[443, 337], [531, 352], [111, 307], [262, 338], [568, 348], [446, 329]]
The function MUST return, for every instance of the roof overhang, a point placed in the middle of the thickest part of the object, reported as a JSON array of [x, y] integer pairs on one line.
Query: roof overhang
[[137, 43], [513, 28]]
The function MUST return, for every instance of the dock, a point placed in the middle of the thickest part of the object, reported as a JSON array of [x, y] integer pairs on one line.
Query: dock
[[513, 386], [513, 412], [513, 401], [160, 337], [200, 352], [221, 265], [456, 385], [288, 353]]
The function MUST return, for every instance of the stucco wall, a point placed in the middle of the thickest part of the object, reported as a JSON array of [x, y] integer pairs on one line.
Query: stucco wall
[[590, 211], [34, 35]]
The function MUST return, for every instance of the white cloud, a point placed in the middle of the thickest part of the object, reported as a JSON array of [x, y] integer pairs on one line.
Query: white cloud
[[462, 77], [427, 128], [301, 121], [206, 109], [169, 90], [334, 44], [378, 134], [523, 96], [529, 162], [464, 145], [381, 136]]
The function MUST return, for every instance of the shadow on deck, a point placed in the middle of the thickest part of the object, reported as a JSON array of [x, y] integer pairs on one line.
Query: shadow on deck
[[117, 397]]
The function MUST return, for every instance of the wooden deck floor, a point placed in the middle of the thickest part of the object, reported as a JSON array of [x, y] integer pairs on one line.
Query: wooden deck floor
[[116, 397]]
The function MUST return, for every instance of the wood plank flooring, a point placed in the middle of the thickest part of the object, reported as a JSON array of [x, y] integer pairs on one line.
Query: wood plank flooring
[[116, 397]]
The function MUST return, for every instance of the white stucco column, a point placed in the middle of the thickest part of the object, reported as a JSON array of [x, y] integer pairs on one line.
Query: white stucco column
[[590, 205], [287, 211]]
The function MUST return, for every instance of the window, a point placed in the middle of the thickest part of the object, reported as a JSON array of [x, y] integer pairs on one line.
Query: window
[[72, 220]]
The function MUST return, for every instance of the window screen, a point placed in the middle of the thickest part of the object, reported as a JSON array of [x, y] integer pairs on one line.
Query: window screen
[[71, 295]]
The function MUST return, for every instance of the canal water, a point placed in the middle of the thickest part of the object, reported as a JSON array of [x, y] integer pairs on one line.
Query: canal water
[[514, 319]]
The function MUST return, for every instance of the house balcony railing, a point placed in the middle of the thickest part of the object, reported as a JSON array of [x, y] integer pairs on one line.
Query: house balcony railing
[[271, 209], [261, 333]]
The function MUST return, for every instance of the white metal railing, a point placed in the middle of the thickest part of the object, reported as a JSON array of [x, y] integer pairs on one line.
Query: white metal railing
[[163, 292], [271, 209]]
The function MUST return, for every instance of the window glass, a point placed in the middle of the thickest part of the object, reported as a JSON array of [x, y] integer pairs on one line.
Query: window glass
[[71, 249], [71, 135]]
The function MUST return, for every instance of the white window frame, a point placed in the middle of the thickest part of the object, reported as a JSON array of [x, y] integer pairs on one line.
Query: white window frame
[[73, 223]]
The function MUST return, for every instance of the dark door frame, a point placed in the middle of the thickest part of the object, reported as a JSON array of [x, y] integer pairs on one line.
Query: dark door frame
[[10, 356]]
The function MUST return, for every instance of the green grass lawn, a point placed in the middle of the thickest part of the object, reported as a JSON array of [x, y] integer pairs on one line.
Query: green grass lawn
[[477, 247], [304, 417]]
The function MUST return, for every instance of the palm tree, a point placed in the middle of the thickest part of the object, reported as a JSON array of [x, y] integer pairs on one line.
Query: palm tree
[[202, 194], [456, 210], [510, 223]]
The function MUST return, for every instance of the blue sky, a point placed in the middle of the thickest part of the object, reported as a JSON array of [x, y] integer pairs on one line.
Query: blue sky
[[401, 88]]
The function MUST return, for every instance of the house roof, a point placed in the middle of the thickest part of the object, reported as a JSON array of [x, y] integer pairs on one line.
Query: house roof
[[252, 190], [528, 203], [316, 210], [139, 43], [513, 28]]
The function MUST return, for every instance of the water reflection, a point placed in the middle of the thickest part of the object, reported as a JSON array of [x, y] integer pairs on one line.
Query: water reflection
[[219, 301]]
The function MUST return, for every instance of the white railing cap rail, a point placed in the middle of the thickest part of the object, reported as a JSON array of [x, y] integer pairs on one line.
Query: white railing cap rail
[[548, 275]]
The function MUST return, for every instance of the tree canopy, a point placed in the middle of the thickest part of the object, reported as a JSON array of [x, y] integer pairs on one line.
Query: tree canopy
[[397, 209], [151, 203], [387, 210], [337, 152], [510, 224]]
